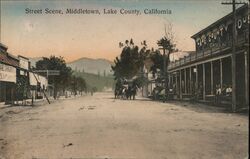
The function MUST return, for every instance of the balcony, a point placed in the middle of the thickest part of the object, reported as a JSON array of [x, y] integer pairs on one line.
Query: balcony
[[214, 49]]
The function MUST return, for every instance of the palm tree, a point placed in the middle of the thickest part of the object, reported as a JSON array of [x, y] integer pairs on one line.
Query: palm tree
[[168, 47]]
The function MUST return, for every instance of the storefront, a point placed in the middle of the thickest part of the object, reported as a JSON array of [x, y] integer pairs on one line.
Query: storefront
[[7, 78], [210, 69]]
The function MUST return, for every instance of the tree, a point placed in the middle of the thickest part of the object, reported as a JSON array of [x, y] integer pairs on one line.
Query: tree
[[167, 44], [128, 65], [157, 59], [77, 84], [81, 84], [94, 89], [131, 63], [60, 82]]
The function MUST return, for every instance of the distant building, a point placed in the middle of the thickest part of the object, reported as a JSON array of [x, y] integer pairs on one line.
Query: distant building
[[210, 67]]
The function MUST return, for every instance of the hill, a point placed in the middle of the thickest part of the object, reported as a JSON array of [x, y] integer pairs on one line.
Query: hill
[[94, 66], [100, 82]]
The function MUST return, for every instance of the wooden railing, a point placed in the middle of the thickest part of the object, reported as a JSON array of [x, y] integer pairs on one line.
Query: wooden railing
[[216, 49]]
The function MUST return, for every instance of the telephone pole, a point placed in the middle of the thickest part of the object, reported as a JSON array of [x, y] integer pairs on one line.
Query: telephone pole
[[233, 3], [165, 74]]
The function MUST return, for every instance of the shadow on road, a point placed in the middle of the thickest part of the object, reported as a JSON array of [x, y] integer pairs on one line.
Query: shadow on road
[[206, 108]]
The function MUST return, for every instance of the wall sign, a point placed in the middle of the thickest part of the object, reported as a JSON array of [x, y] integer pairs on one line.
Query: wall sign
[[7, 73], [23, 63]]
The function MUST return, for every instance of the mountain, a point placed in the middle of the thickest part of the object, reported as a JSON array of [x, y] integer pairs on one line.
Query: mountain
[[87, 65], [94, 66]]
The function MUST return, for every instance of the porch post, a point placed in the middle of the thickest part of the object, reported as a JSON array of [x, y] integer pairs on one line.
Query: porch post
[[180, 86], [221, 75], [204, 81], [212, 78], [190, 79], [176, 82], [196, 82], [246, 79]]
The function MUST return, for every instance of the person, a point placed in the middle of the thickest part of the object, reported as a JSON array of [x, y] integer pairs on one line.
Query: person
[[174, 89], [229, 91], [223, 89], [199, 91], [218, 93]]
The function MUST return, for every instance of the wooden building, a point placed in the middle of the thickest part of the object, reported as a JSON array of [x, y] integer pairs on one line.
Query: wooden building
[[17, 82], [8, 72], [202, 74]]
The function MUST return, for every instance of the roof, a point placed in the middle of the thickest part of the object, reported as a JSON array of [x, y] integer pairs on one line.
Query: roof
[[20, 56], [7, 58], [228, 16], [3, 47]]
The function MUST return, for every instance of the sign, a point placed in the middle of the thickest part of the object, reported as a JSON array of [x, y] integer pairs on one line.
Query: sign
[[7, 73], [23, 63], [42, 80]]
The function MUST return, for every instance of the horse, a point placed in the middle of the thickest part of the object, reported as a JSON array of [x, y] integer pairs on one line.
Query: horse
[[124, 93], [131, 92], [120, 92]]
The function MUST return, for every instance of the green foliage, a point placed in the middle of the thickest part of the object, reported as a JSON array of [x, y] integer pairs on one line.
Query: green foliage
[[128, 65], [77, 84], [65, 80], [167, 44], [56, 63], [97, 81], [157, 59], [94, 89], [131, 60], [140, 81], [168, 47]]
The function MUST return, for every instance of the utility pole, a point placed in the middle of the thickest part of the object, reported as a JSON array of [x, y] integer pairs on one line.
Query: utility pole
[[233, 3], [165, 74]]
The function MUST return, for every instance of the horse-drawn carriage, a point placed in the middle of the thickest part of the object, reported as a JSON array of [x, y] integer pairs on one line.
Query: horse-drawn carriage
[[125, 90], [159, 93]]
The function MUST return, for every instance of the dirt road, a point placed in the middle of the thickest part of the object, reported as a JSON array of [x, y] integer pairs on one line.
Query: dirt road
[[100, 127]]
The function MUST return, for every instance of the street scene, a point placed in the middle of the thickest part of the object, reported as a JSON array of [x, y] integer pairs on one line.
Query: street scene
[[124, 79], [100, 126]]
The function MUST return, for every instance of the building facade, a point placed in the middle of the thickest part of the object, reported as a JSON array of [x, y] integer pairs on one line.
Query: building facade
[[207, 74], [8, 72], [17, 81]]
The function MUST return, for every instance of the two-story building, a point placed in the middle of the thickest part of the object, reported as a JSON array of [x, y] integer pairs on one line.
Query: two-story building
[[207, 74], [8, 72], [17, 81]]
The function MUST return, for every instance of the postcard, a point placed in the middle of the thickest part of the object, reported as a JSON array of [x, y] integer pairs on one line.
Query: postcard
[[124, 79]]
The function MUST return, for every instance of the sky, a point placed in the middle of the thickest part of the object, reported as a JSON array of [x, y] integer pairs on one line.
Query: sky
[[97, 36]]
